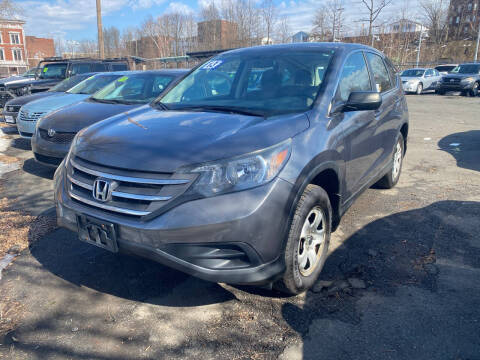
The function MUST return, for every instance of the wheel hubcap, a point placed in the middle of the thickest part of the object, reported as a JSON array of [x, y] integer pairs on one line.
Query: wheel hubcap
[[312, 241], [397, 161]]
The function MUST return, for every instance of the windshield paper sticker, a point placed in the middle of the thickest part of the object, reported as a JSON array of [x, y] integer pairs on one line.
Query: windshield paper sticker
[[123, 79], [212, 64], [45, 69]]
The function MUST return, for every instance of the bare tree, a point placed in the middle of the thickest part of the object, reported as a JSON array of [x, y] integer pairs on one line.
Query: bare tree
[[321, 28], [374, 8], [10, 9], [335, 11], [283, 31], [269, 17], [435, 13], [111, 40]]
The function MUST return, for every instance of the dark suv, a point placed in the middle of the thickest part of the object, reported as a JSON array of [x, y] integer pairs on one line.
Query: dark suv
[[53, 70], [466, 80], [239, 181]]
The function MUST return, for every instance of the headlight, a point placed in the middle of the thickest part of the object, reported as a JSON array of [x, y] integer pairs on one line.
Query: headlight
[[240, 173], [23, 90], [468, 80]]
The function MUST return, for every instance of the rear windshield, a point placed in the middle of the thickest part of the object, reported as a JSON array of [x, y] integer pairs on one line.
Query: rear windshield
[[53, 71], [93, 84], [469, 69], [413, 73], [69, 83], [445, 68]]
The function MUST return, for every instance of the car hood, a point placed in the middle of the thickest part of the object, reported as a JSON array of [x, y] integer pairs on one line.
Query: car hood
[[80, 115], [53, 103], [410, 78], [14, 80], [152, 140], [22, 100]]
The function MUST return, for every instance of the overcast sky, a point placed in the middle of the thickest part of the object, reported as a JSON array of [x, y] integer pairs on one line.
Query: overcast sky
[[76, 19]]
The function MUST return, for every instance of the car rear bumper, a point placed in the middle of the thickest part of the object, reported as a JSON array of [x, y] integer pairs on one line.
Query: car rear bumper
[[233, 238]]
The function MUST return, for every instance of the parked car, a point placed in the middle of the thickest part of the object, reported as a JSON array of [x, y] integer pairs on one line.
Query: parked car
[[53, 70], [12, 107], [30, 113], [419, 80], [466, 80], [445, 69], [55, 132], [240, 186]]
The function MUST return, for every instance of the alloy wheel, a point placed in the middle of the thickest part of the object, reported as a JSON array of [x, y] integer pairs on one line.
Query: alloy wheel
[[312, 241]]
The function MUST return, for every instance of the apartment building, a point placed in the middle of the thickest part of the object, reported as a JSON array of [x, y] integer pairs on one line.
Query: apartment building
[[12, 47], [463, 19]]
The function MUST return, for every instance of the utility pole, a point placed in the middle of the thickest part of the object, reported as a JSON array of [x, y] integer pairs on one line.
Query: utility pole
[[478, 43], [419, 45], [101, 48]]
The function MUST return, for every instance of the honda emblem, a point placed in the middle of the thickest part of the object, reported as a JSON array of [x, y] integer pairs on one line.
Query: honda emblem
[[102, 189]]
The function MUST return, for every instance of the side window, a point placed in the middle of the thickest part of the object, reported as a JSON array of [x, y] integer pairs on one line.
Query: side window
[[380, 73], [80, 69], [354, 77], [429, 72], [99, 67]]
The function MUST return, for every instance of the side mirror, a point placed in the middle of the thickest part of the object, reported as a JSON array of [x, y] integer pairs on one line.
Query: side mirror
[[362, 101]]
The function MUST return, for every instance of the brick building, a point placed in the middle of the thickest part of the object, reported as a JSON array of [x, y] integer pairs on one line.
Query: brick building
[[217, 34], [463, 19], [38, 49], [12, 47]]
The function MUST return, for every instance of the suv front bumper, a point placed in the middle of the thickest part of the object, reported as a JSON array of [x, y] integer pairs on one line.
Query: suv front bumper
[[235, 238]]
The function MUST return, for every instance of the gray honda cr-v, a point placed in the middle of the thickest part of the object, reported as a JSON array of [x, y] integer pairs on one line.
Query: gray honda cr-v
[[242, 170]]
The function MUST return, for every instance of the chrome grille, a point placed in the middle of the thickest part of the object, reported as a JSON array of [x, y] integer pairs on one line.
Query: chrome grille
[[136, 194], [29, 116], [58, 137]]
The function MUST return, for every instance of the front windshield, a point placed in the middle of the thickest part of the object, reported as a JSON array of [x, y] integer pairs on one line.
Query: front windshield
[[469, 69], [53, 71], [68, 83], [413, 73], [271, 83], [29, 73], [93, 84], [135, 88]]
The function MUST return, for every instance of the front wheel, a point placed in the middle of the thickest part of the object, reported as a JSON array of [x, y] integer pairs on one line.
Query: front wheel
[[391, 178], [308, 240], [474, 90], [419, 89]]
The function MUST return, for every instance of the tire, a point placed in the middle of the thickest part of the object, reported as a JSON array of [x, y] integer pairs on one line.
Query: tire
[[393, 175], [305, 237], [474, 91], [419, 89]]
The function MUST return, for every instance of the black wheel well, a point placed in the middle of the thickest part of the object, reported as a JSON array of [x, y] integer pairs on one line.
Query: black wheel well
[[328, 181], [404, 132]]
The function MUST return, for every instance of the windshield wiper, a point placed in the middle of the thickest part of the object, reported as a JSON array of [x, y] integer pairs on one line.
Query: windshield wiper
[[162, 105], [104, 101], [225, 109]]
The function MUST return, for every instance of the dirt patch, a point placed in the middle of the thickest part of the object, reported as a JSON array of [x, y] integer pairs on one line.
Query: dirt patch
[[8, 159], [18, 230], [11, 313]]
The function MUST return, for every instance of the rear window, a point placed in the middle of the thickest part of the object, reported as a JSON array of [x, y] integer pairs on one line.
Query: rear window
[[469, 69], [119, 67]]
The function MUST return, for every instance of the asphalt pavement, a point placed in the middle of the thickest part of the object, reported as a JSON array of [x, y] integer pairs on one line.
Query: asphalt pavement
[[402, 280]]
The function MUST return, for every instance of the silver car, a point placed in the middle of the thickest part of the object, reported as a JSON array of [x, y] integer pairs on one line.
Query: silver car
[[419, 80]]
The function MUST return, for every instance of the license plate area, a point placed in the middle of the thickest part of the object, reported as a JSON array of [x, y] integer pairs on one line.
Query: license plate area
[[97, 232], [9, 119]]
